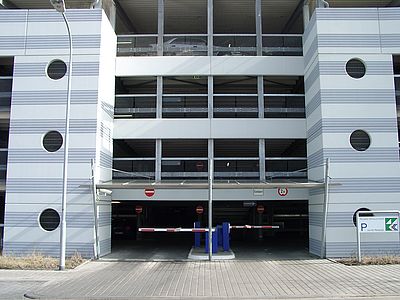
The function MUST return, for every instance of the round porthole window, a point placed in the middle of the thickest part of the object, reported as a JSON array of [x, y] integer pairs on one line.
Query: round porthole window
[[363, 215], [49, 219], [360, 140], [355, 68], [52, 141], [56, 69]]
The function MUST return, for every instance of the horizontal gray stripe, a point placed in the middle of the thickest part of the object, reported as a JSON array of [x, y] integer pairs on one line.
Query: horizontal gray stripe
[[13, 16], [105, 246], [309, 53], [73, 15], [316, 192], [372, 154], [27, 126], [314, 131], [315, 218], [390, 40], [315, 246], [349, 40], [108, 109], [316, 159], [62, 42], [347, 14], [312, 77], [379, 185], [30, 219], [39, 69], [392, 13], [349, 249], [104, 219], [105, 160], [46, 248], [339, 68], [47, 186], [50, 97], [313, 104], [29, 155], [357, 96], [12, 42]]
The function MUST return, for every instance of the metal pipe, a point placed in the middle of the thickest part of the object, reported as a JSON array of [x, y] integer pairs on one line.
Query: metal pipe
[[63, 230], [210, 196], [96, 220], [326, 201]]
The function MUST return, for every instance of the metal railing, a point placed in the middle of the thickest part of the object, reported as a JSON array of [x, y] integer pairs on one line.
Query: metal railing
[[185, 45], [234, 45], [284, 106], [286, 167], [133, 167], [282, 45], [137, 45], [135, 106], [174, 168]]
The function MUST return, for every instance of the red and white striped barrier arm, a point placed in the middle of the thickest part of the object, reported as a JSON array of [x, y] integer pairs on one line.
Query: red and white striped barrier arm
[[254, 227], [174, 230]]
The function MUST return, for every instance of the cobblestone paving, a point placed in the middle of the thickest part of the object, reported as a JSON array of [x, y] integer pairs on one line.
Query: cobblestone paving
[[224, 279]]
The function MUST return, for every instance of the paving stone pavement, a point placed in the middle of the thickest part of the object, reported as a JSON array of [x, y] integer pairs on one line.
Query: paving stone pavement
[[282, 279]]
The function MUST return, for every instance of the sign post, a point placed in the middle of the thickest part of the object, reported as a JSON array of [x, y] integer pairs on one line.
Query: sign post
[[386, 223]]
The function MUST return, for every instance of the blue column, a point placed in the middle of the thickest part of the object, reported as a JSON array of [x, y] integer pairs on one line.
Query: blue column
[[214, 242], [219, 229], [225, 236], [197, 235]]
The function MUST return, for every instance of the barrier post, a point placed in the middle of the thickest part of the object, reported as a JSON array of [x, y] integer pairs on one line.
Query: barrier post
[[225, 236], [207, 245], [219, 229], [197, 235], [215, 241]]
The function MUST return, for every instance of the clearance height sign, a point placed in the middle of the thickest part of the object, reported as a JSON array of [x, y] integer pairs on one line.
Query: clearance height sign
[[379, 224]]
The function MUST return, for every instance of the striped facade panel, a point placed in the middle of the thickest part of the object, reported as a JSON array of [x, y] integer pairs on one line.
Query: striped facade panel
[[313, 104], [349, 40], [316, 159], [31, 126], [47, 185], [341, 14], [104, 219], [313, 75], [26, 155], [31, 219], [349, 155], [340, 219], [13, 16], [351, 96], [62, 41], [47, 248], [314, 131], [12, 42], [54, 97], [315, 247], [390, 40], [349, 249], [339, 68], [316, 192], [311, 51], [106, 159], [105, 247], [73, 15], [39, 69], [345, 125], [315, 218], [387, 14], [378, 185], [108, 109]]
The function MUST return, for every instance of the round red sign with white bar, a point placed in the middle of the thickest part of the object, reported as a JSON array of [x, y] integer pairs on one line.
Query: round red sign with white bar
[[149, 192], [283, 191]]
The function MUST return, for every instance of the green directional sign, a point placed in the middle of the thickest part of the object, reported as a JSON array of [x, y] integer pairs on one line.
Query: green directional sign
[[391, 224]]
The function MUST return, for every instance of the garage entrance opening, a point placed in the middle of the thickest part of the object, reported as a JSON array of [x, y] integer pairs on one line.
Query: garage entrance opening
[[290, 241]]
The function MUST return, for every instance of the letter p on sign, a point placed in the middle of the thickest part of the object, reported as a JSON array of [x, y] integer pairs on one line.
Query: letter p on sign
[[363, 226]]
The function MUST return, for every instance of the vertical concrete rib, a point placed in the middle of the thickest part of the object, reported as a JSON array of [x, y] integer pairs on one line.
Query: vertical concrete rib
[[160, 27], [210, 96], [210, 26], [158, 160], [159, 97], [261, 155], [258, 27]]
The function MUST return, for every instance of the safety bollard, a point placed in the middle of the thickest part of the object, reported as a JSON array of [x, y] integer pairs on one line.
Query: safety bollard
[[197, 235], [225, 236], [214, 242], [219, 229]]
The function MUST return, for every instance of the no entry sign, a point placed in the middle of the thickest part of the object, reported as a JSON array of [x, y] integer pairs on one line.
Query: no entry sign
[[199, 209], [138, 209], [149, 192], [260, 208], [283, 192], [199, 166]]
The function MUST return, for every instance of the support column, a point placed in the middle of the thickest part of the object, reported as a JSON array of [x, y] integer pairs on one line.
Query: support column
[[160, 27], [260, 94], [210, 97], [158, 160], [306, 14], [159, 97], [210, 26], [258, 27], [261, 154]]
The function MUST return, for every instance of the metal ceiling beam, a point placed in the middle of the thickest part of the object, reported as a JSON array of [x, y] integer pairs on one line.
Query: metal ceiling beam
[[124, 17], [293, 18], [7, 4], [394, 3]]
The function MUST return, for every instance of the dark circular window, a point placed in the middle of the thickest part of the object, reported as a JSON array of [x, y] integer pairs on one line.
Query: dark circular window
[[360, 140], [355, 68], [49, 219], [52, 141], [363, 215], [56, 69]]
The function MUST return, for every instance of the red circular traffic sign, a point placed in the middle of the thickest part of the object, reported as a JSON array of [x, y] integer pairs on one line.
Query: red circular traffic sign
[[283, 191], [149, 192], [139, 209], [260, 208], [199, 209]]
